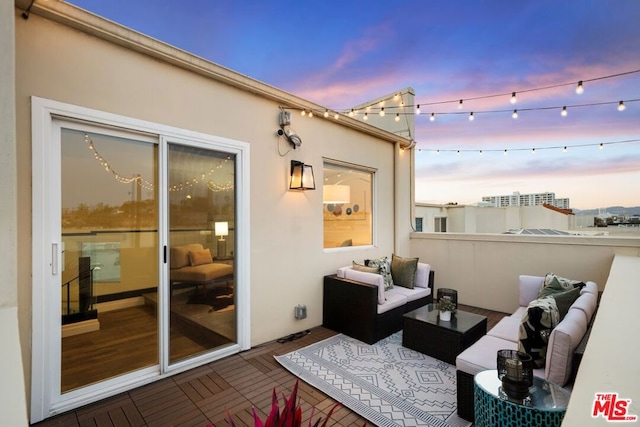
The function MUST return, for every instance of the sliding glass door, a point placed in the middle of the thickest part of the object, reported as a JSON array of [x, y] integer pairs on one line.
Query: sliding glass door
[[139, 253], [201, 199]]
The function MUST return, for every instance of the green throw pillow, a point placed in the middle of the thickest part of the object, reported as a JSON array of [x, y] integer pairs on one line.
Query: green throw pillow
[[403, 271], [563, 296]]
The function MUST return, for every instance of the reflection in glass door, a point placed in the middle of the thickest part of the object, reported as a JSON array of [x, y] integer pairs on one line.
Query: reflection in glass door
[[201, 206], [109, 227]]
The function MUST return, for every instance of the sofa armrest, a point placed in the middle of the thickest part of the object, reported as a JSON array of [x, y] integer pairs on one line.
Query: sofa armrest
[[350, 307], [529, 288]]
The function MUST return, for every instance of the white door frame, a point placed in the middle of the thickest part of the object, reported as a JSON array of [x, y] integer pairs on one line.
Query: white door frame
[[46, 399]]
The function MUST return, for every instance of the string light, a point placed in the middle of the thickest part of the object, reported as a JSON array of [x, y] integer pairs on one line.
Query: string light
[[460, 102], [432, 117], [515, 114], [397, 119], [471, 116], [564, 148], [564, 112], [366, 117]]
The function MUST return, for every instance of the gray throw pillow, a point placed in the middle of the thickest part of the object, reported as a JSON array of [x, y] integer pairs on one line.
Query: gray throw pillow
[[403, 271]]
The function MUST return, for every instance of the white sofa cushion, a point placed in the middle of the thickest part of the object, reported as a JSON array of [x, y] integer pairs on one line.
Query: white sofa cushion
[[369, 278], [393, 301], [520, 311], [507, 329], [483, 355], [562, 342], [409, 294], [422, 276], [529, 288], [586, 303]]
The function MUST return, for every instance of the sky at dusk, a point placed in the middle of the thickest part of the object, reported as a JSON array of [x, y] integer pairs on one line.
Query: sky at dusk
[[339, 55]]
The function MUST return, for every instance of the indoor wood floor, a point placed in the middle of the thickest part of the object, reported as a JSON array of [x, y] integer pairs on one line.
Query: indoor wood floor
[[202, 396]]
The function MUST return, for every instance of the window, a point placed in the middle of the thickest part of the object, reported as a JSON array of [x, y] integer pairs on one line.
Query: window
[[418, 224], [440, 225], [347, 205]]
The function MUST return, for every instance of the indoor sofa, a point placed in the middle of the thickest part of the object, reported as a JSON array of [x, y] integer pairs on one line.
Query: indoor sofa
[[193, 265], [510, 330], [356, 303]]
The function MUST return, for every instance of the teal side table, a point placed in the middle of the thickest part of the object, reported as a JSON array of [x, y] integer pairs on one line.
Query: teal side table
[[545, 406]]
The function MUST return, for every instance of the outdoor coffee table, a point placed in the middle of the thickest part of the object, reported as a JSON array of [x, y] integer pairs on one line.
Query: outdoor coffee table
[[424, 332]]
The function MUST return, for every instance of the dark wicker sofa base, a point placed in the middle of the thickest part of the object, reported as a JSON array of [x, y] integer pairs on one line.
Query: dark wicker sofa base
[[465, 395], [351, 308]]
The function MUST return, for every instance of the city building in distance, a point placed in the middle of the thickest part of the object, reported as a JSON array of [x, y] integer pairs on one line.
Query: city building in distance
[[534, 199]]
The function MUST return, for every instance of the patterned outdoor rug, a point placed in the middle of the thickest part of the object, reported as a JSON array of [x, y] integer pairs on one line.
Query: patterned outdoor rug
[[385, 383]]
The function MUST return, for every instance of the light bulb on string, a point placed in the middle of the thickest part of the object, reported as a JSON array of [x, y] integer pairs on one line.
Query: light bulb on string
[[481, 152], [310, 114], [432, 117], [621, 106], [458, 153], [326, 113], [564, 150], [601, 146], [336, 116], [533, 151], [580, 88], [460, 105], [513, 98], [564, 112], [397, 119], [303, 113], [366, 117], [515, 114], [418, 110], [505, 152], [471, 116], [381, 112], [351, 113], [437, 151]]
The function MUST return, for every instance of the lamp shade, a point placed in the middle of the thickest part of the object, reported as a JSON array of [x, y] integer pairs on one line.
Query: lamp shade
[[221, 228], [301, 176], [336, 194]]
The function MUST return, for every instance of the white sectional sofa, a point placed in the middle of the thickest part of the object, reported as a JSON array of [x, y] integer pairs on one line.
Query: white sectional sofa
[[563, 340]]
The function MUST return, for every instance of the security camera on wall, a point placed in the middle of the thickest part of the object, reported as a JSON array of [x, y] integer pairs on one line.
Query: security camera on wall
[[286, 131]]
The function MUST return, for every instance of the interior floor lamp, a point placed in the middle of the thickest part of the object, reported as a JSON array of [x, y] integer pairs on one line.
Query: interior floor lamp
[[222, 229]]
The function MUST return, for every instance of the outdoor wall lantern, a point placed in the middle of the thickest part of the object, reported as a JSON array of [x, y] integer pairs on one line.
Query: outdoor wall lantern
[[301, 176]]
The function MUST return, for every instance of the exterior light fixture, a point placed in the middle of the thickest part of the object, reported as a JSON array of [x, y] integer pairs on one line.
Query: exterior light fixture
[[460, 104], [397, 119], [471, 116], [621, 106], [513, 98], [301, 177], [564, 112], [381, 112], [515, 114], [432, 117], [418, 110], [366, 117], [580, 88]]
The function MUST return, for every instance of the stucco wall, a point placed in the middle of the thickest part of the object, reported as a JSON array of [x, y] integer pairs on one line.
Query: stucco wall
[[484, 268], [287, 258]]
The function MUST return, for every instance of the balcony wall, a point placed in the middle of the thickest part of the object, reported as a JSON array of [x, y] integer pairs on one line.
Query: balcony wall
[[484, 268]]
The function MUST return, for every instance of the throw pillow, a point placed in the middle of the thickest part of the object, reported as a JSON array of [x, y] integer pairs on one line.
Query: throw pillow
[[564, 297], [403, 271], [360, 267], [200, 257], [563, 281], [384, 268], [536, 326]]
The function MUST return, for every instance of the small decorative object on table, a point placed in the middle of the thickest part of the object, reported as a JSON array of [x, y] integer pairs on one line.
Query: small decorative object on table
[[515, 370], [446, 306]]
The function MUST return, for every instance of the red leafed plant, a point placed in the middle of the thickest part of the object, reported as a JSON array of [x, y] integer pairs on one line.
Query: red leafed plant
[[291, 415]]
